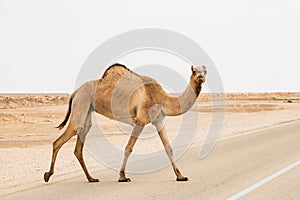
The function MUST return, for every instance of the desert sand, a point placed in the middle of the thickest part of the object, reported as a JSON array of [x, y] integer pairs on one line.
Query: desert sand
[[28, 129]]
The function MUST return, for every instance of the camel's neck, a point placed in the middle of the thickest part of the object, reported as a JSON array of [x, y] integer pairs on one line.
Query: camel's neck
[[177, 105]]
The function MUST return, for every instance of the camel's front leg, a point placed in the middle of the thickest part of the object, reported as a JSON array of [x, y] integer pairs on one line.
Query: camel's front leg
[[169, 151], [128, 149]]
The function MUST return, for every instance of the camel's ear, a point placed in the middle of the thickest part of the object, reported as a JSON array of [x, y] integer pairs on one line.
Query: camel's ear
[[193, 70]]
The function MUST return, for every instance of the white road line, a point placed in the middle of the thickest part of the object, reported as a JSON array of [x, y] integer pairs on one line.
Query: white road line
[[264, 181]]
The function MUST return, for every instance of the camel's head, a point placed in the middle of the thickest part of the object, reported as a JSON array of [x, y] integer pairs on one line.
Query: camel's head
[[198, 74]]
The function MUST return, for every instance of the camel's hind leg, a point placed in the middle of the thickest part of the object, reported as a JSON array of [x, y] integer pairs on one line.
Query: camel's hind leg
[[57, 144], [79, 148]]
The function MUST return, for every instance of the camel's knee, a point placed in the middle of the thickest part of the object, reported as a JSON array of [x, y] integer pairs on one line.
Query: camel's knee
[[128, 149], [79, 130], [56, 145], [78, 149], [63, 138], [78, 153]]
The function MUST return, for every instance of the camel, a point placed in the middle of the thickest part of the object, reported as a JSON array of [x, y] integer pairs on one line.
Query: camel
[[128, 97]]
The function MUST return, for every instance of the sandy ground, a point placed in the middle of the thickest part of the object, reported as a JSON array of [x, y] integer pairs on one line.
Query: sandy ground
[[235, 164], [27, 131]]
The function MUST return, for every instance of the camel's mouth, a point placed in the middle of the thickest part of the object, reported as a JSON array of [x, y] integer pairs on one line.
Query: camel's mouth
[[200, 80]]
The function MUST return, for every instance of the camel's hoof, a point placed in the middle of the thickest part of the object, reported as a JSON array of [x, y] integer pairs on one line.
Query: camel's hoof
[[47, 176], [182, 179], [124, 180], [93, 180]]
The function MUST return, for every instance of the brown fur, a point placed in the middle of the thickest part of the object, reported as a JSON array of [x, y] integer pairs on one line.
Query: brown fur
[[130, 98]]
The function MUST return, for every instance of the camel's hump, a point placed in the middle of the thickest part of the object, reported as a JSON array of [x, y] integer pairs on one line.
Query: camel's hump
[[116, 69]]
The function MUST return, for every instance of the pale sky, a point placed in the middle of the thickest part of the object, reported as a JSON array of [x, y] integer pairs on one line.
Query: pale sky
[[254, 44]]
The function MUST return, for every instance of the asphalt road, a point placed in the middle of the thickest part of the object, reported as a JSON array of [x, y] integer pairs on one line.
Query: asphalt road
[[235, 164]]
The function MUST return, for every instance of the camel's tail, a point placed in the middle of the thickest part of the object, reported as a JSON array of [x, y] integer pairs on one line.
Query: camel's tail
[[68, 114]]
